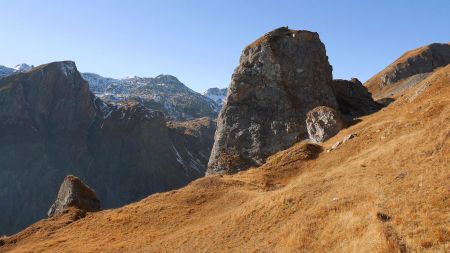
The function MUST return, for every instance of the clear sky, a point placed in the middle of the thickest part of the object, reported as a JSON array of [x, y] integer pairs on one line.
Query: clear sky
[[200, 41]]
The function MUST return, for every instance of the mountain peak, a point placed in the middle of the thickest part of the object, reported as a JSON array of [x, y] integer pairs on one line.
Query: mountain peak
[[216, 94], [23, 67], [69, 68], [168, 79]]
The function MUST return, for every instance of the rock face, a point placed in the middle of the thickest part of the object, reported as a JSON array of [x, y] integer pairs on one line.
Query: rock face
[[354, 100], [281, 77], [415, 62], [51, 126], [74, 193], [323, 123]]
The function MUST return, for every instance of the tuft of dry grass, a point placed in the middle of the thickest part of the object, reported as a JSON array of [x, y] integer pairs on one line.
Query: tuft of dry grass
[[387, 190]]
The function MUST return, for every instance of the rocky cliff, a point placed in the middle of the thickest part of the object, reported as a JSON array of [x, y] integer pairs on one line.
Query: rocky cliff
[[51, 125], [408, 70], [281, 76]]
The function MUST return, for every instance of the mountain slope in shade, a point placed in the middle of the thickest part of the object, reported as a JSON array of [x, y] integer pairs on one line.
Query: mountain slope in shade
[[408, 70], [5, 71], [164, 92], [52, 126], [374, 193]]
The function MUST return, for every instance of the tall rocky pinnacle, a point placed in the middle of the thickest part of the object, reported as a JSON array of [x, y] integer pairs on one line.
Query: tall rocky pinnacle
[[281, 76]]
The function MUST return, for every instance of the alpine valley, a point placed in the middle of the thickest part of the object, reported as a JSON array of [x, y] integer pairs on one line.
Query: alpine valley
[[127, 138], [287, 159]]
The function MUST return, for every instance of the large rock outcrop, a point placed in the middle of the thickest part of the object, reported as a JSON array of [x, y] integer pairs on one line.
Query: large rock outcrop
[[74, 193], [51, 126], [408, 70], [281, 77], [353, 98]]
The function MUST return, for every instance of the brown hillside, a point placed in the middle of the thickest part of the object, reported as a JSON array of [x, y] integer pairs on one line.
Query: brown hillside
[[386, 190]]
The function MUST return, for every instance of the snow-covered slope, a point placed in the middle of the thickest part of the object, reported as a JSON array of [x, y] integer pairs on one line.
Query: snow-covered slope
[[6, 71], [23, 67], [216, 94], [164, 92]]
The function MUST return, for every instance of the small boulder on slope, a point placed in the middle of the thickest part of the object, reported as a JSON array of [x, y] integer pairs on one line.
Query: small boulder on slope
[[74, 193], [323, 123]]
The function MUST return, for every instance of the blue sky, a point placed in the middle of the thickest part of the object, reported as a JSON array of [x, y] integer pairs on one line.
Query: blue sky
[[200, 41]]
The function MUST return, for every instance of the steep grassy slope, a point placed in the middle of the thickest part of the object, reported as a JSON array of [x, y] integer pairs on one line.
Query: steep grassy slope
[[386, 190]]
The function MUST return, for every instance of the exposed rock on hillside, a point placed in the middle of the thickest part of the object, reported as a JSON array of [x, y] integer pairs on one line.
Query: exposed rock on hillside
[[52, 126], [281, 77], [354, 100], [323, 123], [74, 193], [412, 67]]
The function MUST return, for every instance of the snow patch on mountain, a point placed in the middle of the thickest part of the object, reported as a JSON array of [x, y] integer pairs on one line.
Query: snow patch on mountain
[[23, 67], [216, 94], [163, 92], [6, 71]]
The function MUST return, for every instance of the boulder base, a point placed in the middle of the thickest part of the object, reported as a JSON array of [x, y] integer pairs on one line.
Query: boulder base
[[74, 193]]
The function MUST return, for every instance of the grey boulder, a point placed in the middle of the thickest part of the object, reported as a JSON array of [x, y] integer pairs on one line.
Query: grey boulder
[[74, 193], [323, 123]]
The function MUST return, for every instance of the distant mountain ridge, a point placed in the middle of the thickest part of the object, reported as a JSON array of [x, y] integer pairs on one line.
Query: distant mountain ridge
[[163, 92], [6, 71], [216, 94]]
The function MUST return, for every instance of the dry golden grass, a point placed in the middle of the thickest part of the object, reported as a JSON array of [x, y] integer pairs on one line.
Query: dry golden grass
[[387, 190]]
